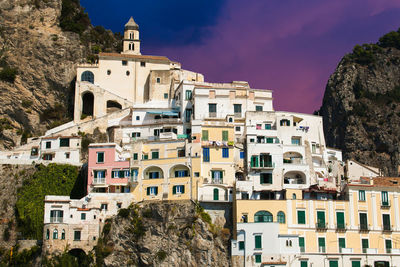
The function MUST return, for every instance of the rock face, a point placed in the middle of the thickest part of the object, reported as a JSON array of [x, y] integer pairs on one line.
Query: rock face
[[44, 56], [361, 106], [164, 234]]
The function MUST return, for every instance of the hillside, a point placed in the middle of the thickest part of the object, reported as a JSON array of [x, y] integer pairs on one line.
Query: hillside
[[40, 44], [361, 105]]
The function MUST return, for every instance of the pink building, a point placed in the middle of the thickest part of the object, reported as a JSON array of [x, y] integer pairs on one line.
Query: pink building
[[108, 171]]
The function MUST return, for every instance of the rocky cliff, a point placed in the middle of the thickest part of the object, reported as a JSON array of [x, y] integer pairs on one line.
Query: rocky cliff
[[361, 105], [163, 234], [41, 41]]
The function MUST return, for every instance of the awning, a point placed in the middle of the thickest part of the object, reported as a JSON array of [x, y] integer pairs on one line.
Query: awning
[[163, 112]]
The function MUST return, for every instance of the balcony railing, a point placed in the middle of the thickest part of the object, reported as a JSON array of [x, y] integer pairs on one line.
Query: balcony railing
[[364, 227], [56, 219], [265, 165], [212, 114], [216, 181], [340, 227], [385, 204], [321, 226], [99, 180], [387, 228]]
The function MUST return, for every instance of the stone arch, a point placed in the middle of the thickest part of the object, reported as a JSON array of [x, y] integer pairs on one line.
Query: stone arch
[[295, 177], [113, 105], [87, 76], [293, 157], [81, 256], [87, 103], [179, 170], [149, 173]]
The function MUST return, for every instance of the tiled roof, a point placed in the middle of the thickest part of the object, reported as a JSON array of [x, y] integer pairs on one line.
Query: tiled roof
[[143, 57]]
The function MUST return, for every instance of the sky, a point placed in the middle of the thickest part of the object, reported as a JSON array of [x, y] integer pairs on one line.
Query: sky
[[288, 46]]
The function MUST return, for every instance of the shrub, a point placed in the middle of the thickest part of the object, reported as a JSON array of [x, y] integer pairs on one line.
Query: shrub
[[73, 18], [147, 213], [391, 39], [8, 74], [161, 255], [124, 213]]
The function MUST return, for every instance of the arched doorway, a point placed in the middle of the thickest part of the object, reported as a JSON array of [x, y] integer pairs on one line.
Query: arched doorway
[[87, 104], [80, 257], [113, 106]]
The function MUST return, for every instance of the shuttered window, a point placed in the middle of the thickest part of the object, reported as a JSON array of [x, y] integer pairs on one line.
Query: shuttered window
[[340, 220], [301, 217], [342, 243], [258, 243], [204, 135], [206, 154], [333, 263], [303, 263], [355, 264], [224, 135]]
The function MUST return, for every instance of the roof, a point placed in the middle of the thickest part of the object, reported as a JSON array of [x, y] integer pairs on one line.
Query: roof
[[377, 182], [131, 25], [139, 57]]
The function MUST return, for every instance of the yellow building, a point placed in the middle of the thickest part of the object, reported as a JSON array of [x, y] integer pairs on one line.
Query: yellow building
[[360, 227], [164, 170]]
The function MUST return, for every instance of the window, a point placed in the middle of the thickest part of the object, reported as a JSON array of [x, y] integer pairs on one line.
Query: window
[[333, 263], [63, 234], [355, 264], [77, 235], [165, 96], [83, 216], [265, 178], [241, 154], [152, 191], [131, 35], [259, 108], [47, 234], [225, 152], [212, 110], [99, 173], [87, 76], [48, 144], [64, 142], [245, 195], [144, 156], [294, 196], [361, 195], [302, 244], [257, 258], [188, 94], [385, 198], [268, 126], [285, 122], [158, 80], [56, 216], [303, 263], [142, 64], [131, 46], [196, 174], [135, 135], [342, 243], [301, 217], [296, 141], [55, 234], [206, 154], [254, 161], [34, 151], [188, 115], [241, 245], [386, 222], [251, 140], [321, 219], [67, 155], [258, 242], [340, 220], [258, 126], [181, 153], [217, 177], [103, 206], [263, 216], [108, 72], [388, 245], [237, 128], [237, 109], [124, 63], [204, 135], [154, 175], [363, 221], [135, 156], [178, 189], [364, 245], [321, 244], [224, 135], [100, 157], [216, 194], [128, 73], [281, 217], [182, 173], [154, 155]]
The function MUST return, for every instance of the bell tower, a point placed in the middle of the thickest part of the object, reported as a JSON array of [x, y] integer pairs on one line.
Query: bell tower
[[131, 38]]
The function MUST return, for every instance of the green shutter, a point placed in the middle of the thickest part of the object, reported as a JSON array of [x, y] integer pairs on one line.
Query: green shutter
[[112, 174], [148, 191], [321, 218], [301, 241], [257, 239], [363, 219], [355, 264], [258, 258], [183, 189], [269, 178], [388, 244], [135, 156], [364, 243], [241, 245], [204, 135], [221, 174], [212, 174], [386, 220], [321, 241], [224, 135], [303, 264], [216, 194], [340, 219], [333, 263], [342, 243], [301, 217], [174, 190]]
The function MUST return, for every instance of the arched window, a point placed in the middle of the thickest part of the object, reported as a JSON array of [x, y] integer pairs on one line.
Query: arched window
[[131, 46], [131, 35], [263, 216], [47, 234], [87, 76], [55, 234], [230, 120], [63, 234], [281, 217], [294, 196]]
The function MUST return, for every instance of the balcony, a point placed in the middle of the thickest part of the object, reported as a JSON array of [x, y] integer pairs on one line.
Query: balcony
[[212, 114], [264, 166], [238, 114], [294, 161], [99, 181], [340, 227], [216, 181], [56, 219], [346, 250], [385, 204], [321, 226], [133, 179], [387, 228], [363, 227]]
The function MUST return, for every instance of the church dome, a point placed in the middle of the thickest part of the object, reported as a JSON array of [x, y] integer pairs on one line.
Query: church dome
[[131, 25]]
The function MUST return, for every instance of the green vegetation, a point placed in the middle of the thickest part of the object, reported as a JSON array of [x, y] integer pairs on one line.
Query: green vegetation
[[47, 180], [19, 258], [391, 39], [27, 103], [55, 116], [8, 74], [161, 255], [203, 215], [124, 213], [73, 18], [365, 54]]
